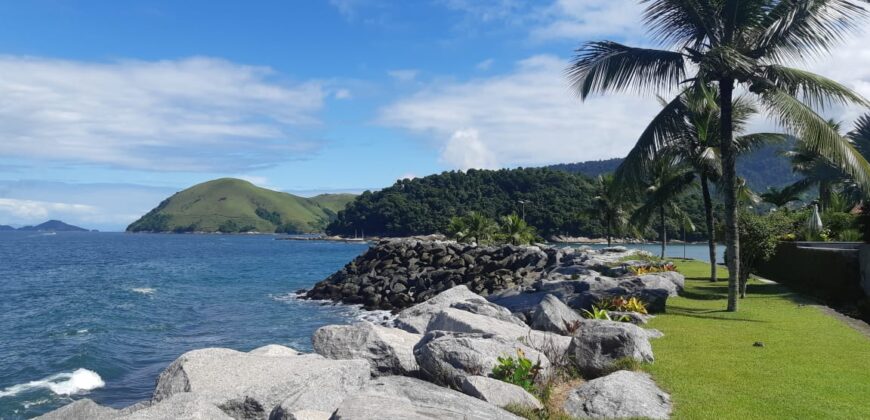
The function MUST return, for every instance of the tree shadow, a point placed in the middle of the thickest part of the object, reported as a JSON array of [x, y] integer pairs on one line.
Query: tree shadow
[[706, 314]]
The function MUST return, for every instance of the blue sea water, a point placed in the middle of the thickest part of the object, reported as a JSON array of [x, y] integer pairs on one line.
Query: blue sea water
[[101, 314]]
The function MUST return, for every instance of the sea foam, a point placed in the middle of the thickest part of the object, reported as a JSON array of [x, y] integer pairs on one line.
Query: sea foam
[[66, 383], [144, 290]]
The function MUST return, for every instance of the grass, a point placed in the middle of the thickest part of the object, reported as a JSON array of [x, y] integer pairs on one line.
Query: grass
[[811, 366]]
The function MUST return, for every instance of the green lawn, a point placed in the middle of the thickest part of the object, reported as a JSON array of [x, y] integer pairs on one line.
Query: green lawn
[[812, 365]]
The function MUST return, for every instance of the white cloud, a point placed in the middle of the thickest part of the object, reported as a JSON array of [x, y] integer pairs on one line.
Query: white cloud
[[405, 75], [581, 19], [489, 10], [485, 64], [527, 117], [30, 210], [342, 94], [192, 114]]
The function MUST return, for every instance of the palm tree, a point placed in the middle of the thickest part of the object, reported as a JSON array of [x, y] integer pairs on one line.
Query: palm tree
[[473, 228], [514, 230], [780, 197], [687, 128], [609, 205], [743, 44], [665, 181]]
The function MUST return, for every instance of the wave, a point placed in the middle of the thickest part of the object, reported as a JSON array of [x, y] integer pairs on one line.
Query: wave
[[355, 311], [66, 383], [144, 290]]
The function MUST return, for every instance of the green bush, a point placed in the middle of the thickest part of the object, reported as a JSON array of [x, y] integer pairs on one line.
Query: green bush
[[519, 371], [759, 237]]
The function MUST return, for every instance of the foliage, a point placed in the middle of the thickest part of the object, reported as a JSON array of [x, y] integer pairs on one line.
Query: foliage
[[706, 351], [610, 205], [622, 304], [518, 370], [603, 314], [559, 203], [849, 235], [759, 236], [640, 270], [515, 231], [473, 228], [641, 256]]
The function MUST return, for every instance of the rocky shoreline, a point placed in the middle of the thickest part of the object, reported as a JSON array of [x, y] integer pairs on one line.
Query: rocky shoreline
[[436, 359]]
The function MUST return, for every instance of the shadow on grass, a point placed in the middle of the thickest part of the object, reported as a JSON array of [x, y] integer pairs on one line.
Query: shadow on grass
[[706, 314]]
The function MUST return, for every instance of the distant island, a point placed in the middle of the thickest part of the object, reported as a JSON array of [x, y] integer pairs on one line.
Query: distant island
[[49, 226], [229, 205]]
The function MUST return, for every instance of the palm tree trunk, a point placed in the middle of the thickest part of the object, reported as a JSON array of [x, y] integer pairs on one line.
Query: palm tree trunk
[[824, 195], [708, 215], [609, 229], [729, 179], [664, 230]]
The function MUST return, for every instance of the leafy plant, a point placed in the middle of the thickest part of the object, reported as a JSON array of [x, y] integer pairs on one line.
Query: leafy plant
[[515, 231], [622, 304], [519, 371], [652, 268], [598, 313]]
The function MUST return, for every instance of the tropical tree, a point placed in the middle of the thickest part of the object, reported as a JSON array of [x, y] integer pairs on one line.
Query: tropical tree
[[743, 44], [515, 231], [473, 228], [780, 197], [688, 129], [665, 181], [610, 206]]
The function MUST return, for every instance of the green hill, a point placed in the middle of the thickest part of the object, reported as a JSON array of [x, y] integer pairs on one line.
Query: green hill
[[232, 205]]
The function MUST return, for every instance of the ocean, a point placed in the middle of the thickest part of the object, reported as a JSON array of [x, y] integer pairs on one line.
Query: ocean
[[100, 315]]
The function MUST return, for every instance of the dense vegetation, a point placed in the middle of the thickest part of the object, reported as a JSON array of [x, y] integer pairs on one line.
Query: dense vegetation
[[557, 202], [235, 206]]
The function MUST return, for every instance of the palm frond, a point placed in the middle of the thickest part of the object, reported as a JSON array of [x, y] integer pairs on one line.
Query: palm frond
[[751, 142], [817, 135], [796, 29], [686, 23], [814, 90], [604, 66], [664, 128]]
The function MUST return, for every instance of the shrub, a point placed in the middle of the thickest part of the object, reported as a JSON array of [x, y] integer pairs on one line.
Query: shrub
[[652, 268], [598, 313], [622, 304], [519, 371], [759, 236]]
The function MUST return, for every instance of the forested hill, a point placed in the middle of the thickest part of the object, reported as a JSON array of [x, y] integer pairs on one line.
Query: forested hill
[[558, 202], [232, 205], [762, 169]]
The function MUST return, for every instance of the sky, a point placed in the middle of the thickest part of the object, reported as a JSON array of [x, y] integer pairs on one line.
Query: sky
[[108, 107]]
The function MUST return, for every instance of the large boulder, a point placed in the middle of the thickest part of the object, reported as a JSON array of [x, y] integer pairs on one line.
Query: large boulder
[[598, 344], [390, 351], [322, 393], [274, 350], [555, 316], [446, 358], [622, 394], [397, 397], [416, 318], [453, 320], [83, 409], [248, 385], [499, 392], [186, 406]]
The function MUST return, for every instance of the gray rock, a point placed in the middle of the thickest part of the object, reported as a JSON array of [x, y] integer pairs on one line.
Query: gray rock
[[309, 415], [416, 318], [598, 344], [397, 397], [246, 385], [188, 406], [678, 279], [633, 317], [653, 281], [321, 393], [618, 249], [498, 392], [453, 320], [554, 316], [83, 409], [621, 394], [446, 358], [274, 350], [388, 350]]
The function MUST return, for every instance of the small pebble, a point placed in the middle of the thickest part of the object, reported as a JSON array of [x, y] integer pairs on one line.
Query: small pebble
[[758, 344]]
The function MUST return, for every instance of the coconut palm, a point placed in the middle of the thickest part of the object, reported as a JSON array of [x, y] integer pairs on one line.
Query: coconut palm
[[738, 44], [665, 181], [514, 230], [609, 206], [473, 228], [780, 197], [688, 128]]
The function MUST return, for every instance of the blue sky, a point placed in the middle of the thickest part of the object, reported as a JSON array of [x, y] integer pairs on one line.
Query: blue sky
[[106, 107]]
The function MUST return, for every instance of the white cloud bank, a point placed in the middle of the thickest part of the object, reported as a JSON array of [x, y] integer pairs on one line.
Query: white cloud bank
[[528, 117], [193, 114]]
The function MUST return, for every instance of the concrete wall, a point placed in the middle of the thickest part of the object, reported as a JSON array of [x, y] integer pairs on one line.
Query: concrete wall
[[830, 271]]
